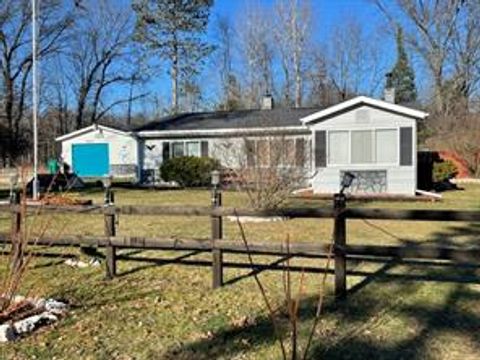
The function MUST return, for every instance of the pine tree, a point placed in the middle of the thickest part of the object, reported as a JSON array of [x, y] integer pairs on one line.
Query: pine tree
[[174, 30], [402, 76]]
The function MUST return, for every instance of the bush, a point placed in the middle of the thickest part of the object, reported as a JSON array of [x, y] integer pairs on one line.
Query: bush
[[444, 170], [189, 171]]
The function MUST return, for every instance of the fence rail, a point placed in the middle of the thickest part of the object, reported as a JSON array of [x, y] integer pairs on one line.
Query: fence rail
[[339, 249], [289, 213]]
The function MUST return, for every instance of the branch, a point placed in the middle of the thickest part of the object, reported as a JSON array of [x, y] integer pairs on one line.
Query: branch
[[119, 102]]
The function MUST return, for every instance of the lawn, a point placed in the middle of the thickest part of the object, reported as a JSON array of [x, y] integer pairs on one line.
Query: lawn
[[395, 309]]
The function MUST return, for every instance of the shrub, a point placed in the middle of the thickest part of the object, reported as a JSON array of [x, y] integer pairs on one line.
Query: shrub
[[189, 171], [444, 170]]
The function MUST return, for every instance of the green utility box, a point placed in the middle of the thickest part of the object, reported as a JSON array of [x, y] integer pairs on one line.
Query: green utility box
[[52, 166]]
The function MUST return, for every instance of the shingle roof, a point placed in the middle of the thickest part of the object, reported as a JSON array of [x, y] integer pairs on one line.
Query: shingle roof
[[280, 117]]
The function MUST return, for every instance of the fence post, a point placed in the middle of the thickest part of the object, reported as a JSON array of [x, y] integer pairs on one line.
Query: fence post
[[339, 236], [217, 232], [17, 259], [110, 230]]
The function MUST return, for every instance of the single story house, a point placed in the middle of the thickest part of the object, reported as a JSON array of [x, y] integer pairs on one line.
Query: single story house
[[374, 139]]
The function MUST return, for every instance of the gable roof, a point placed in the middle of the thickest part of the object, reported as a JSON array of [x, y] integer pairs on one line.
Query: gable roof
[[359, 101], [122, 130], [229, 120]]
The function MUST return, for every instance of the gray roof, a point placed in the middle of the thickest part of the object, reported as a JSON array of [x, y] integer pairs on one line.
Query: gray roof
[[280, 117]]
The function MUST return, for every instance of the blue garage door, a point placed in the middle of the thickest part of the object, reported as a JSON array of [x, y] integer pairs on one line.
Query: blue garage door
[[90, 159]]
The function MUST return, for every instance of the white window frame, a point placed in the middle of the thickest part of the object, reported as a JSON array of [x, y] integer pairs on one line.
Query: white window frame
[[374, 144]]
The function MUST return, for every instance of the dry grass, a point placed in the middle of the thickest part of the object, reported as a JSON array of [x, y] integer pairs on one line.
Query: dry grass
[[407, 310]]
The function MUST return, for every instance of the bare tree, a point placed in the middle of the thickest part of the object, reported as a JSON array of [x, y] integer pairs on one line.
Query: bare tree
[[355, 62], [465, 52], [267, 168], [224, 58], [320, 89], [16, 58], [257, 53], [432, 29], [292, 34], [97, 59]]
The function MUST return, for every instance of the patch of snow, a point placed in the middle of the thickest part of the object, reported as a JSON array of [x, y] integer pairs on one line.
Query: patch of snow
[[82, 264], [31, 323], [52, 311], [7, 333], [55, 307]]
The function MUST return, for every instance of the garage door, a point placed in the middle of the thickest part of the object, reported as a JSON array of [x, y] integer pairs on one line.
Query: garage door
[[90, 159]]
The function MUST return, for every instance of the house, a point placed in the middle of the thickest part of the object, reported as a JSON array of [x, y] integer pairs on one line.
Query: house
[[97, 151], [373, 139]]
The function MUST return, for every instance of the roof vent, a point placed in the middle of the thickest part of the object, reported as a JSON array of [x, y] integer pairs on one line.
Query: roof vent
[[267, 102]]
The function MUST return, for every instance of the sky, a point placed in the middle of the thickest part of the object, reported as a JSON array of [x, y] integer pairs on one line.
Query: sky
[[326, 14]]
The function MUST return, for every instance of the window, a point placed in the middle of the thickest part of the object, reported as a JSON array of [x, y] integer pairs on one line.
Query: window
[[338, 147], [177, 149], [386, 146], [184, 148], [193, 148], [362, 147], [275, 152], [379, 146]]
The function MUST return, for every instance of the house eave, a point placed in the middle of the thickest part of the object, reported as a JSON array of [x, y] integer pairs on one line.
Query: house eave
[[360, 101], [239, 132], [90, 128]]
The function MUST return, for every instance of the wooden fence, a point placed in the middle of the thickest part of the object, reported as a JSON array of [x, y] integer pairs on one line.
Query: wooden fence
[[217, 245]]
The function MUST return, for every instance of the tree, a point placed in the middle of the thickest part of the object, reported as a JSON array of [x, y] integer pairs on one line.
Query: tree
[[293, 30], [320, 91], [223, 62], [257, 51], [356, 61], [98, 58], [16, 60], [402, 76], [174, 30], [432, 27]]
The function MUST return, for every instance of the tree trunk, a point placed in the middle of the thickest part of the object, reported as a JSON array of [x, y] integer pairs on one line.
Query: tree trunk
[[174, 76], [9, 96]]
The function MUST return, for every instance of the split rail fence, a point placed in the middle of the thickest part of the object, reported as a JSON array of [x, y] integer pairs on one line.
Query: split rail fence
[[217, 245]]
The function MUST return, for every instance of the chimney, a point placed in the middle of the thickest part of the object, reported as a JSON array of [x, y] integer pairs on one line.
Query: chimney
[[389, 92], [267, 102]]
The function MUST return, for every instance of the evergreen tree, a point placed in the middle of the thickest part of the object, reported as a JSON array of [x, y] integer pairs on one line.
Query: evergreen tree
[[402, 76], [175, 29]]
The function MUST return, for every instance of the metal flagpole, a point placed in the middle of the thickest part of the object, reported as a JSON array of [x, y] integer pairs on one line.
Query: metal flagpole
[[34, 99]]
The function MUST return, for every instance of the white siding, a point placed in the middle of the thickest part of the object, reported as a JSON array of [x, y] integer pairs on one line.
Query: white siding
[[228, 150], [123, 150], [400, 179]]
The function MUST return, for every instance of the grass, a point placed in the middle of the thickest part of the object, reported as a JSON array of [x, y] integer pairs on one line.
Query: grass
[[168, 311]]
